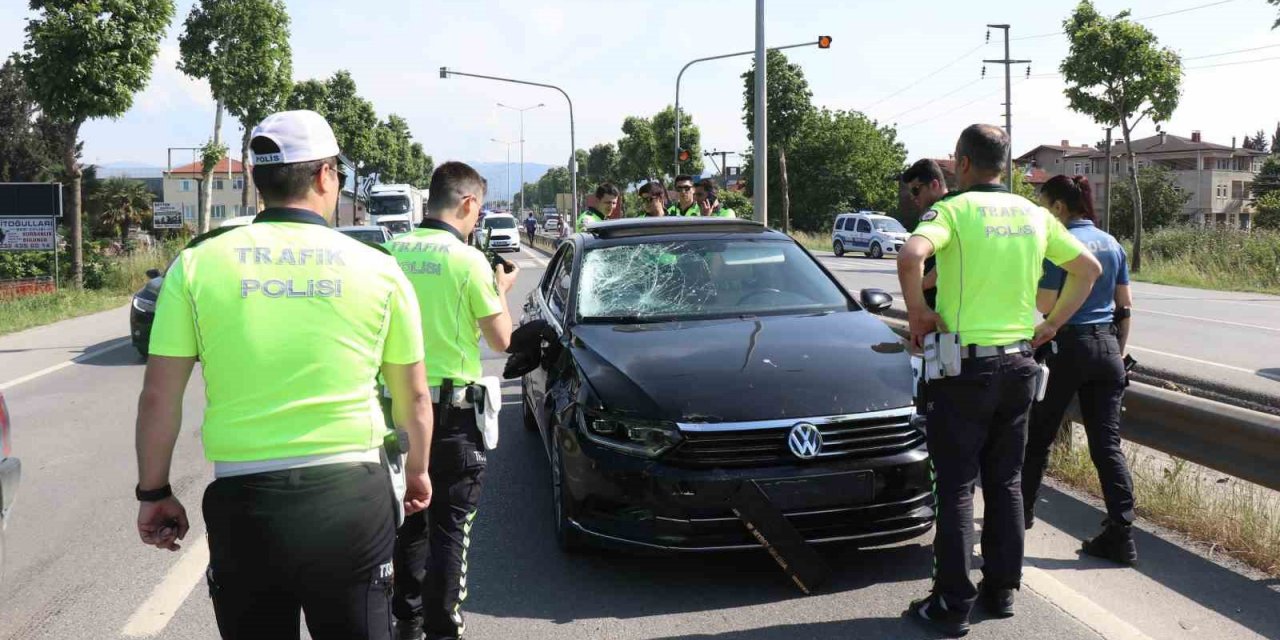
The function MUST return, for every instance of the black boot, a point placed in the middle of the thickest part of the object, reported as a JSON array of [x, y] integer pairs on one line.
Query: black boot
[[997, 602], [410, 629], [933, 613], [1115, 543]]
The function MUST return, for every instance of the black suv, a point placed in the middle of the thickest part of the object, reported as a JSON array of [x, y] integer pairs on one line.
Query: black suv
[[679, 358]]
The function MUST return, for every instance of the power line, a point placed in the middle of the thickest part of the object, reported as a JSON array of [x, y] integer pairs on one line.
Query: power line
[[954, 109], [945, 95], [1232, 64], [1227, 53], [933, 73], [1139, 19]]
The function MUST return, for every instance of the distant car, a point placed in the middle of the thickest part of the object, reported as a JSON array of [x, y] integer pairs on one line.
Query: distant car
[[375, 234], [238, 221], [396, 224], [551, 222], [502, 232], [673, 360], [10, 476], [142, 312], [870, 232]]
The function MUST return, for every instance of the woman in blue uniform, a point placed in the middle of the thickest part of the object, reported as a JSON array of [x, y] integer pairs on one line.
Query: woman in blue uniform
[[1089, 365]]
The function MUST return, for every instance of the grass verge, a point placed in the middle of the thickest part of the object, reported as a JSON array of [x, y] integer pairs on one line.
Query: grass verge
[[1230, 515], [812, 241], [116, 280]]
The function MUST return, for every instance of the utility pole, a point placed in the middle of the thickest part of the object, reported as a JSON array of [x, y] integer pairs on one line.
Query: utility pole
[[760, 153], [521, 112], [1106, 187], [1008, 98], [723, 167]]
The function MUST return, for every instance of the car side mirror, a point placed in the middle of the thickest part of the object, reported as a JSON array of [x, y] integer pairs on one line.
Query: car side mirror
[[153, 273], [876, 300]]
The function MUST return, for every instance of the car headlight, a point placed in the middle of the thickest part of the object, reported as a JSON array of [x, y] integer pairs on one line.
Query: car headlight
[[144, 305], [648, 438]]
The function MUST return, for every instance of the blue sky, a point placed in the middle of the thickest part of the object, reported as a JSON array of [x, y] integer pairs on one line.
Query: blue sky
[[620, 57]]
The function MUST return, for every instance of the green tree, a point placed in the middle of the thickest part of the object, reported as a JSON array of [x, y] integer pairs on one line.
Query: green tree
[[664, 132], [27, 153], [843, 161], [1161, 198], [396, 158], [638, 156], [790, 107], [1268, 179], [116, 204], [554, 181], [86, 60], [353, 118], [1255, 142], [1117, 74], [1022, 187], [1267, 215], [602, 164], [242, 48]]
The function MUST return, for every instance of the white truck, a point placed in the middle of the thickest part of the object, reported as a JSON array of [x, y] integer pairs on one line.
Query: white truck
[[398, 207]]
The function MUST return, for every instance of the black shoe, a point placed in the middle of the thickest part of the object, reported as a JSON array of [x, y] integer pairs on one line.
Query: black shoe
[[410, 629], [1115, 543], [997, 602], [933, 613]]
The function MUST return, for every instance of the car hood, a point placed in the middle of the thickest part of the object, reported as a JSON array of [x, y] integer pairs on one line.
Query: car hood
[[505, 233], [765, 368]]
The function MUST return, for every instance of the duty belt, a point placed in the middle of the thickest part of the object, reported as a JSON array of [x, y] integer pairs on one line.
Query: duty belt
[[974, 351], [1102, 328], [458, 397]]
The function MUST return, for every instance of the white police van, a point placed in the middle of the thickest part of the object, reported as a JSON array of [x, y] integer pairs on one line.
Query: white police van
[[870, 232]]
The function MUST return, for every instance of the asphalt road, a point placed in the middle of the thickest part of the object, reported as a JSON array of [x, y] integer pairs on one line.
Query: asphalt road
[[76, 569], [1219, 337]]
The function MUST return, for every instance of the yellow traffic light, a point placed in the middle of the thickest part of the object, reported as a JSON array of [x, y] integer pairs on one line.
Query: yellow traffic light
[[684, 155], [824, 42]]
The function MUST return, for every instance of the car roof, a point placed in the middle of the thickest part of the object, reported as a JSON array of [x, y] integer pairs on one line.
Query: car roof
[[665, 227], [361, 227]]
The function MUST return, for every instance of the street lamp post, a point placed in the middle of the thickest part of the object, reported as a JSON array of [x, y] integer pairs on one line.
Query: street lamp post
[[509, 199], [521, 111], [822, 42]]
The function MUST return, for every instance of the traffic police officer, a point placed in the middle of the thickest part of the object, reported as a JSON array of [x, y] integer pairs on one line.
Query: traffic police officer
[[924, 184], [606, 198], [990, 245], [685, 204], [705, 194], [291, 321], [461, 298], [1089, 364], [653, 195]]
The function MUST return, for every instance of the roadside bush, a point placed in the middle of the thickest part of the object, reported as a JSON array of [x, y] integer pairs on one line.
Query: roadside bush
[[1214, 258]]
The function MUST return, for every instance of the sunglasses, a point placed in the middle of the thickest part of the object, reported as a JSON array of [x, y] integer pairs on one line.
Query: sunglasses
[[686, 187]]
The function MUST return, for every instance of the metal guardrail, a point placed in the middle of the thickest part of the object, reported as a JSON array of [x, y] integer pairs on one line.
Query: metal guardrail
[[1237, 441]]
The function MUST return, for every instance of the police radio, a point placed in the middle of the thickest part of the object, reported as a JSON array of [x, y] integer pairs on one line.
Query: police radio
[[494, 258]]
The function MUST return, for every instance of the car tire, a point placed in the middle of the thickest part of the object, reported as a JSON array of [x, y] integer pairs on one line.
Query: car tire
[[568, 538], [876, 252], [838, 248]]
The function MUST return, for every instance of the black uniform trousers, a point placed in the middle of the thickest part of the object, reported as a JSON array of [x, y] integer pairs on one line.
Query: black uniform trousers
[[978, 420], [431, 545], [1089, 366], [316, 540]]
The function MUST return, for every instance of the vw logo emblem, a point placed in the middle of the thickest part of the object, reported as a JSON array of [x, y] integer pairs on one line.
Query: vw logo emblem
[[805, 441]]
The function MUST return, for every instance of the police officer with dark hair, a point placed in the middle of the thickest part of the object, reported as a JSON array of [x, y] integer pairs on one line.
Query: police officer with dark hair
[[462, 298], [654, 198], [606, 198], [707, 195], [1089, 365], [291, 322], [990, 246], [684, 205], [924, 184]]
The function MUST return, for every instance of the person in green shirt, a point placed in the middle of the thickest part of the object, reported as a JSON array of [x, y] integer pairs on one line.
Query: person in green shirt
[[990, 247], [461, 298], [706, 194], [654, 198], [606, 198], [685, 205], [291, 322]]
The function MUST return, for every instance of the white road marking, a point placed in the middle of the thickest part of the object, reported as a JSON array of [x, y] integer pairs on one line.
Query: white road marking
[[1164, 297], [1213, 320], [1270, 376], [1088, 612], [58, 367], [154, 615]]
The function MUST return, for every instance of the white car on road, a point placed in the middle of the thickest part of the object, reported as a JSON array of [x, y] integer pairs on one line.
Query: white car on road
[[870, 232], [502, 232]]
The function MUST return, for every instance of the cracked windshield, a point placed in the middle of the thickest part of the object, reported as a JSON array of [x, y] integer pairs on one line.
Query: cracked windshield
[[701, 279]]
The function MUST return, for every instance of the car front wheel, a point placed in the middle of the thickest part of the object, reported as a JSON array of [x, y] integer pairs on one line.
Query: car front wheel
[[568, 538], [838, 248], [876, 252]]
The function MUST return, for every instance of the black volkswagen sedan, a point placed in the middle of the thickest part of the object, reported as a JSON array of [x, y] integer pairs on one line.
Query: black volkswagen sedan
[[678, 359]]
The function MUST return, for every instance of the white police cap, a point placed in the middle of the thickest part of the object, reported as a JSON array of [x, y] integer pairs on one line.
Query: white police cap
[[302, 136]]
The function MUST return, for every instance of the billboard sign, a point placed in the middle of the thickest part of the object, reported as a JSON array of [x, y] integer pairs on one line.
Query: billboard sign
[[165, 215], [27, 234], [30, 200]]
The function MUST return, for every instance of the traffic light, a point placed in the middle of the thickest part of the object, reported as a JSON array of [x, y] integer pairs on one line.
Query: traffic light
[[824, 42], [444, 72], [684, 155]]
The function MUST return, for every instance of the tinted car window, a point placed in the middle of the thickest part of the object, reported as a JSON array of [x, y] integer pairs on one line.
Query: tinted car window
[[558, 285], [501, 222], [864, 226], [374, 235], [889, 225], [701, 279]]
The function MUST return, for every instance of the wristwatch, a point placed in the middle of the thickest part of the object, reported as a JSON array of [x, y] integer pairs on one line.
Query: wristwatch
[[152, 495]]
